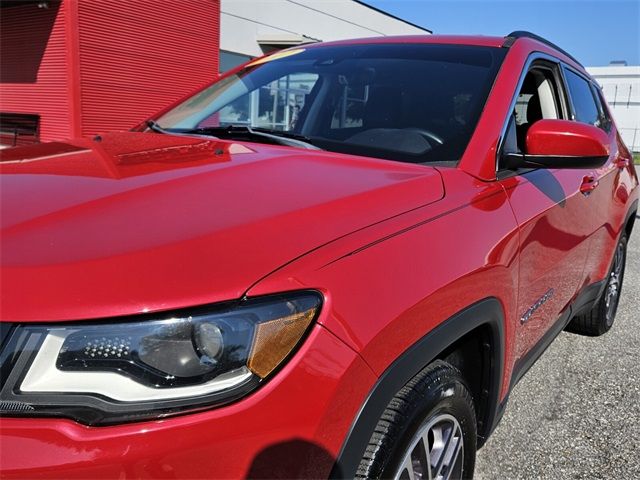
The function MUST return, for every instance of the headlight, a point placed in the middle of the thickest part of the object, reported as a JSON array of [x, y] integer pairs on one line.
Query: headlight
[[151, 366]]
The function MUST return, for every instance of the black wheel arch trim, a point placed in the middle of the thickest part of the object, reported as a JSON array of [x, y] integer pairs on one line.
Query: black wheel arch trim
[[631, 214], [487, 312]]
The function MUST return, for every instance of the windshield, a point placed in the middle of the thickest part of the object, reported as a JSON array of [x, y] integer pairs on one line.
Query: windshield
[[408, 102]]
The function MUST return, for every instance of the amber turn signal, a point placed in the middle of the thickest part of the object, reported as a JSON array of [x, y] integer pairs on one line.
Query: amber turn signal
[[274, 340]]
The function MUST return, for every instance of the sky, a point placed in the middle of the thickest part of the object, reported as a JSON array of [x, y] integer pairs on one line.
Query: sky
[[594, 31]]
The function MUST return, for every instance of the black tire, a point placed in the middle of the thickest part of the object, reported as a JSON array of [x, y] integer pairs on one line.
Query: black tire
[[599, 319], [437, 391]]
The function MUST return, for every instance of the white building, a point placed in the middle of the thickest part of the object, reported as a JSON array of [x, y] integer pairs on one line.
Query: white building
[[251, 28], [621, 88]]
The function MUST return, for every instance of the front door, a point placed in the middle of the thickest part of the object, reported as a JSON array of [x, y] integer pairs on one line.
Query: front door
[[549, 207]]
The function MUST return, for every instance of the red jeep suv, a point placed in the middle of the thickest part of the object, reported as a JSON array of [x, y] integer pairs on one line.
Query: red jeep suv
[[335, 261]]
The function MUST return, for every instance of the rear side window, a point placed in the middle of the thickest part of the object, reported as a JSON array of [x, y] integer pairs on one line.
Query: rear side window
[[605, 119], [584, 104]]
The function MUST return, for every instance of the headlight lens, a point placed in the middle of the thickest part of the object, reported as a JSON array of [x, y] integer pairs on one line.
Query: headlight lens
[[100, 373]]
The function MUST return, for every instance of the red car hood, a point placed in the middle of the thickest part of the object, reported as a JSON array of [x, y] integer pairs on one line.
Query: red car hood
[[139, 222]]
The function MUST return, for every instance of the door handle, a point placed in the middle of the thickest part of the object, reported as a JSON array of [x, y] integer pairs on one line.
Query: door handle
[[589, 184]]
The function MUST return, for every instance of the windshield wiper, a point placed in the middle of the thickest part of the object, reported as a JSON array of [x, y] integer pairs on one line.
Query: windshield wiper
[[282, 133], [153, 126], [276, 136]]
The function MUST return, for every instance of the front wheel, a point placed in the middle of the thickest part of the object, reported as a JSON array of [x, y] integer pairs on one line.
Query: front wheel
[[600, 318], [428, 430]]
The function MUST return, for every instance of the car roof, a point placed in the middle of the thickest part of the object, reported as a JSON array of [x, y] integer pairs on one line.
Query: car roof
[[477, 40], [535, 42]]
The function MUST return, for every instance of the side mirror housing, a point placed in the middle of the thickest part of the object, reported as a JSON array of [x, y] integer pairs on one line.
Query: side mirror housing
[[562, 144]]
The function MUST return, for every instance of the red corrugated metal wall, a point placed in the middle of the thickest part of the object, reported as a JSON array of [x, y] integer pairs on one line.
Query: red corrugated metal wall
[[33, 66], [137, 56]]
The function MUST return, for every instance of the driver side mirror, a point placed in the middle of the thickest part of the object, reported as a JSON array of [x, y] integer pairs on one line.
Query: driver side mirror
[[561, 144]]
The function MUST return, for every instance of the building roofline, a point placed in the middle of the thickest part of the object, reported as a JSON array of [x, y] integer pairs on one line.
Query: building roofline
[[392, 16], [614, 67]]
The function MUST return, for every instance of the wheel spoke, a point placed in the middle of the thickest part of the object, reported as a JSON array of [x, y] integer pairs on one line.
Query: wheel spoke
[[457, 463], [437, 448], [407, 470], [446, 436], [425, 457], [453, 455], [435, 452], [449, 451]]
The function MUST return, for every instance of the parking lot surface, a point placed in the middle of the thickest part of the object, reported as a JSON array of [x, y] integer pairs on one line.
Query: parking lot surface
[[576, 413]]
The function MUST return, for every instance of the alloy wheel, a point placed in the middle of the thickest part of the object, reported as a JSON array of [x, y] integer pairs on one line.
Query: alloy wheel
[[436, 451], [612, 294]]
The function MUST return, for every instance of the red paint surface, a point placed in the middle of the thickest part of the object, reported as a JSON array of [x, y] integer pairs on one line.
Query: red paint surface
[[34, 66], [145, 221], [566, 138], [95, 66]]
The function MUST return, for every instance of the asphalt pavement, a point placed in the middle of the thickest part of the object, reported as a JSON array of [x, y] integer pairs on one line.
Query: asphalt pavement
[[576, 413]]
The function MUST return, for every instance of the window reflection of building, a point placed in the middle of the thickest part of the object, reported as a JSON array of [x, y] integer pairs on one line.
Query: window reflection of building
[[273, 106]]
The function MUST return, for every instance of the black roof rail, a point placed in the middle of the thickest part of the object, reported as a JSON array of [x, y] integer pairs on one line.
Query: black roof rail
[[513, 36]]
